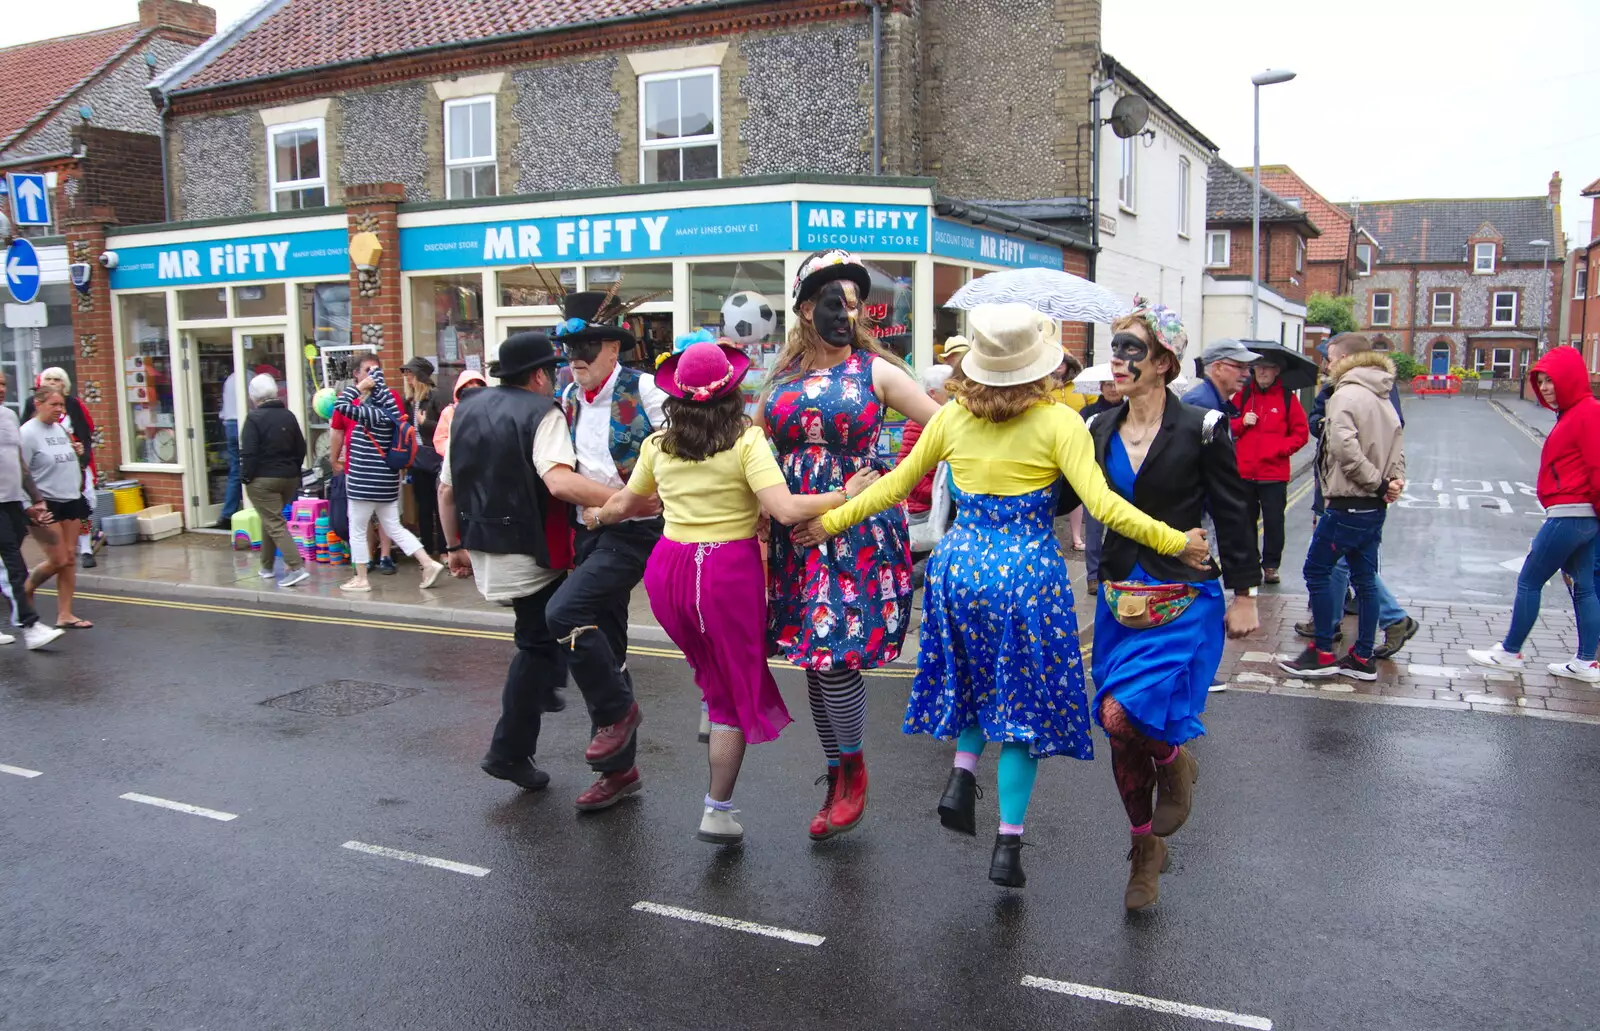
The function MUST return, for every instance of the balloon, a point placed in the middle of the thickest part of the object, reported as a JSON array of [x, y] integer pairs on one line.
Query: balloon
[[322, 403]]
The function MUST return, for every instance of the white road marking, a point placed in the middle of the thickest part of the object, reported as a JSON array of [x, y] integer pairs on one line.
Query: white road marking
[[182, 807], [18, 771], [412, 857], [1182, 1009], [798, 937]]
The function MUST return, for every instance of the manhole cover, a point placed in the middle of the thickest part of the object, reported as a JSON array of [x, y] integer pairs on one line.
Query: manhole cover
[[341, 697]]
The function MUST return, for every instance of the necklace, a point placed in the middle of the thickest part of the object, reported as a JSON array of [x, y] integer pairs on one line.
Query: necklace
[[1145, 433]]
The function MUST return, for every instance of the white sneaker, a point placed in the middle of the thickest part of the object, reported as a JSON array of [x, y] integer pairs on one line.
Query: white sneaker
[[39, 635], [720, 828], [266, 574], [7, 639], [1577, 669], [295, 576], [1497, 657]]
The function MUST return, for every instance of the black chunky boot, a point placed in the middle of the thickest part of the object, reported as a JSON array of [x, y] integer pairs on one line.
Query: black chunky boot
[[957, 808], [1005, 869]]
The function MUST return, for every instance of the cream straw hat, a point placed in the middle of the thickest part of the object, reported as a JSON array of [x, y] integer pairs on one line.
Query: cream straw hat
[[1011, 345]]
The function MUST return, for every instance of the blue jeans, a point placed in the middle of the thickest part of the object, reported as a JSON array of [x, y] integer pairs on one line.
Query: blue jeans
[[1354, 537], [1389, 610], [233, 500], [1560, 544]]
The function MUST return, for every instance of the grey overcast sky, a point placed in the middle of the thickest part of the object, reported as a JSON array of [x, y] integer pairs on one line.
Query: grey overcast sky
[[1394, 99]]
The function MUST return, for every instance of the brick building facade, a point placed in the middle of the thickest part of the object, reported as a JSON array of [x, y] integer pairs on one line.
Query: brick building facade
[[1583, 286], [1286, 236], [1463, 283], [1331, 256]]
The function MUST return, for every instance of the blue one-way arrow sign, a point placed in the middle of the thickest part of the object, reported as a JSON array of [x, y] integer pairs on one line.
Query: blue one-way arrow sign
[[30, 198], [22, 271]]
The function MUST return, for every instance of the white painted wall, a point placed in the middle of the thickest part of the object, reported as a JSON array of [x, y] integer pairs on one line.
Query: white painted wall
[[1141, 250], [1227, 314]]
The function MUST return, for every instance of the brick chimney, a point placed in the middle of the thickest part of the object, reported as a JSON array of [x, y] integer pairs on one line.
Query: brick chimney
[[1555, 188], [179, 15]]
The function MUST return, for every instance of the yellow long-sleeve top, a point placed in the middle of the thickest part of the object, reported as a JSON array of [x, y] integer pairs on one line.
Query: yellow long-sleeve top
[[1007, 459]]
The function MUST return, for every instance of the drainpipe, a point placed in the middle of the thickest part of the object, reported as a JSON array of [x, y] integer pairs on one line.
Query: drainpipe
[[166, 186], [877, 87], [1094, 196]]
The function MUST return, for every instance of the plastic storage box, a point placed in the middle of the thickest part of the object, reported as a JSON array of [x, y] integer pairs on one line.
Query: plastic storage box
[[121, 529], [159, 522]]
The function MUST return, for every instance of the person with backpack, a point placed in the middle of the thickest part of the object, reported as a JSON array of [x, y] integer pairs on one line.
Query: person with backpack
[[1269, 429], [379, 447]]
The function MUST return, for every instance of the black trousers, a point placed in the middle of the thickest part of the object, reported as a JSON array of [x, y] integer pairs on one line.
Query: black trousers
[[538, 671], [425, 494], [13, 528], [1267, 500], [609, 565]]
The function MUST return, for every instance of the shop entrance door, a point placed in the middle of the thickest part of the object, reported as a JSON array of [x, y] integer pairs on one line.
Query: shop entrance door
[[207, 372]]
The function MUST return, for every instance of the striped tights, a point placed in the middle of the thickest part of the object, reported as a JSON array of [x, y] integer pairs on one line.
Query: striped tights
[[839, 710]]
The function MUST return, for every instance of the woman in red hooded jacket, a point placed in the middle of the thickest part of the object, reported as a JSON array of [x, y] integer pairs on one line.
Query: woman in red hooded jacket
[[1271, 426], [1569, 490]]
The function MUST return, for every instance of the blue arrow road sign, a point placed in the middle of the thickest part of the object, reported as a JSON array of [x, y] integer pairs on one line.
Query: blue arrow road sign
[[30, 198], [22, 271]]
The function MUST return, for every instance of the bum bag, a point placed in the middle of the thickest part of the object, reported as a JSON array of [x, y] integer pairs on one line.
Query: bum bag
[[1140, 606]]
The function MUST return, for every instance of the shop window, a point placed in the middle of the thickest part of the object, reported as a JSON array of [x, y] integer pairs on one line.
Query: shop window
[[1505, 307], [263, 301], [680, 131], [636, 280], [651, 321], [205, 303], [295, 166], [745, 302], [447, 320], [324, 322], [147, 379], [890, 304], [947, 279], [469, 148], [524, 288]]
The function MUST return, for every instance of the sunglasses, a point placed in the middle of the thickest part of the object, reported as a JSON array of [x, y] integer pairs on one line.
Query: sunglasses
[[584, 351]]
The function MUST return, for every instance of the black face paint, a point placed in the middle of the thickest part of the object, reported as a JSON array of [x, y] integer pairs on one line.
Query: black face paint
[[835, 312], [1130, 348]]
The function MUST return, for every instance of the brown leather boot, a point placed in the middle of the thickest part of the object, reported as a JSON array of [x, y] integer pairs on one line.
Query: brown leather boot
[[1174, 793], [1149, 856]]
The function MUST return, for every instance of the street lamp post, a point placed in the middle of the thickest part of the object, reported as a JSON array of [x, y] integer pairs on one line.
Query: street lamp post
[[1544, 292], [1260, 79]]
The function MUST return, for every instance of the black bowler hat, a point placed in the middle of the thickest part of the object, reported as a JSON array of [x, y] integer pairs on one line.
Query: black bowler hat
[[521, 353], [592, 316]]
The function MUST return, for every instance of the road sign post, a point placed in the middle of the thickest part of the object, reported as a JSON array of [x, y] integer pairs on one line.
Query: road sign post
[[22, 271], [30, 198]]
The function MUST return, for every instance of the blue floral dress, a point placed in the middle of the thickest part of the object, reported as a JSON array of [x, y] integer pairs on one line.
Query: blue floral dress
[[999, 638], [846, 604]]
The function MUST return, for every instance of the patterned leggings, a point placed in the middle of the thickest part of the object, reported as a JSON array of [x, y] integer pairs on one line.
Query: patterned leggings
[[1133, 761], [839, 710]]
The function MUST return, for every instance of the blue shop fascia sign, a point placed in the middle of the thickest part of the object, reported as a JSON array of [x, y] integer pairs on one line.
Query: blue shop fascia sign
[[969, 243], [322, 253]]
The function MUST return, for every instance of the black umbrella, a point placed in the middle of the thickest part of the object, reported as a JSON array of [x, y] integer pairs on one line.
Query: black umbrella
[[1296, 371]]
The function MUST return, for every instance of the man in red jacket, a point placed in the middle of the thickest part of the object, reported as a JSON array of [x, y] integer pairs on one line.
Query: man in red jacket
[[1270, 428], [1569, 490]]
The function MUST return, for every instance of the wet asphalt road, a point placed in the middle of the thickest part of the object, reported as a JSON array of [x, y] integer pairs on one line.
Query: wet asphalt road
[[1347, 866], [1463, 526]]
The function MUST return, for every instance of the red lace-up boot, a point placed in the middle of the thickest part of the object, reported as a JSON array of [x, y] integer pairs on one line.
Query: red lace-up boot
[[820, 831], [851, 804]]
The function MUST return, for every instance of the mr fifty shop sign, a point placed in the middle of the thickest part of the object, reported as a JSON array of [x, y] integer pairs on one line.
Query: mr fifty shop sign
[[627, 236], [322, 253]]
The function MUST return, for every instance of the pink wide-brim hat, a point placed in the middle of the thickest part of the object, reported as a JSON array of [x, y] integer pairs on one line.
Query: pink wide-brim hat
[[703, 372]]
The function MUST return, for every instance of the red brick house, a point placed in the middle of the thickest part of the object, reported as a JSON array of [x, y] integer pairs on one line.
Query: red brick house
[[1334, 257], [1462, 282], [1583, 311], [1287, 234]]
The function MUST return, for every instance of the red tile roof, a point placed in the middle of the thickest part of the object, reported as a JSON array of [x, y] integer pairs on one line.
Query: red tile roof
[[1591, 190], [305, 34], [38, 76], [1334, 243]]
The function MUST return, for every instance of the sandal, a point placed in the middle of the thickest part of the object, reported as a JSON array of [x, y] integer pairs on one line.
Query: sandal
[[75, 624]]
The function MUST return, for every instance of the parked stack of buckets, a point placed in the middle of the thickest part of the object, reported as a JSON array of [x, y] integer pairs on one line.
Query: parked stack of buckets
[[308, 525]]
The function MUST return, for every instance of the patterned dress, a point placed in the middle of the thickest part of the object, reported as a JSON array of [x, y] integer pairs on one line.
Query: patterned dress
[[999, 637], [846, 604]]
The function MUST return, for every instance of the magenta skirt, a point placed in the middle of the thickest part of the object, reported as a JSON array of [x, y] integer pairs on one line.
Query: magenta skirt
[[711, 599]]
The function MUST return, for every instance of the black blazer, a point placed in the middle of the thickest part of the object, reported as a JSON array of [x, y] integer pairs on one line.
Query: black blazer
[[1183, 478]]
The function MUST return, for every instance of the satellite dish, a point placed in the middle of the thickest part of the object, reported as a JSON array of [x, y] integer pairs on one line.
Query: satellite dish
[[1128, 116]]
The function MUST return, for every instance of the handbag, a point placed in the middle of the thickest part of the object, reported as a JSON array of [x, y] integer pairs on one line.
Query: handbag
[[338, 507], [1140, 606], [427, 460]]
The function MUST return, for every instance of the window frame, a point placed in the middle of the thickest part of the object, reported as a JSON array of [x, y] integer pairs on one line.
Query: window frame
[[1494, 307], [492, 161], [1227, 248], [1128, 178], [1299, 253], [1185, 170], [1580, 282], [1477, 259], [1433, 308], [1364, 268], [1388, 308], [648, 147], [274, 187]]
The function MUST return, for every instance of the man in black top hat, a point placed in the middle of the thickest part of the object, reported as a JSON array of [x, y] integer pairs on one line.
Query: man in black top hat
[[508, 473], [611, 410]]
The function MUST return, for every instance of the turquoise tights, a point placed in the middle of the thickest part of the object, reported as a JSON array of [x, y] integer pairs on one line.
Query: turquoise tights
[[1015, 774]]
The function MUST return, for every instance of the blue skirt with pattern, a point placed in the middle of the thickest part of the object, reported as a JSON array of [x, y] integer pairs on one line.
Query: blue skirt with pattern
[[999, 638]]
